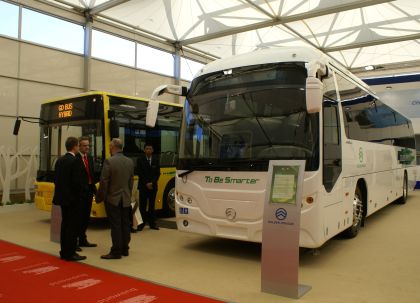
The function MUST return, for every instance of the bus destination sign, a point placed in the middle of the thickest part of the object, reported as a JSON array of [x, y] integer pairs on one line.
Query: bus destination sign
[[65, 110]]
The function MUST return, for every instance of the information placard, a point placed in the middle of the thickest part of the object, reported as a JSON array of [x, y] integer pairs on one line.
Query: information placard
[[281, 227]]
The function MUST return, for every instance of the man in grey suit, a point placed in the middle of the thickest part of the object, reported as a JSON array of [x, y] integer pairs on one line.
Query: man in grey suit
[[115, 189]]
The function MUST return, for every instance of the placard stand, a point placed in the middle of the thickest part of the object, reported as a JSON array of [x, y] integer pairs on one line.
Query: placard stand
[[55, 225], [281, 227]]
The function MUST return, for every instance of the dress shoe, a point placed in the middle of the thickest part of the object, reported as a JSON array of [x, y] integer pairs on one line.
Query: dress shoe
[[110, 256], [125, 253], [133, 230], [88, 244], [75, 257], [78, 248], [140, 227], [155, 227]]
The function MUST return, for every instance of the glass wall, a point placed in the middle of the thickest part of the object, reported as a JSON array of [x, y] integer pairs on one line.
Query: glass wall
[[189, 68], [9, 19], [155, 60], [50, 31], [44, 29], [112, 48]]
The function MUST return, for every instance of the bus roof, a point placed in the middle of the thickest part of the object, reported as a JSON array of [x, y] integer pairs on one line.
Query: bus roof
[[90, 93], [278, 54], [265, 56]]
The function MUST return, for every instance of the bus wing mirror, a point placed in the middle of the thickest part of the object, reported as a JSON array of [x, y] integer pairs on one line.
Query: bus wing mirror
[[153, 106], [314, 93], [152, 113], [172, 89], [114, 128]]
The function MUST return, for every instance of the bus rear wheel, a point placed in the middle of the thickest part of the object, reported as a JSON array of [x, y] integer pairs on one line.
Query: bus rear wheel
[[403, 198], [358, 213]]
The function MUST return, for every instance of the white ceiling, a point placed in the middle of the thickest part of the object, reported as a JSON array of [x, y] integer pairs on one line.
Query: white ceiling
[[356, 33]]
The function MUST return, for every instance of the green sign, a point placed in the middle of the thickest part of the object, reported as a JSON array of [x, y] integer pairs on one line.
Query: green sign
[[284, 184]]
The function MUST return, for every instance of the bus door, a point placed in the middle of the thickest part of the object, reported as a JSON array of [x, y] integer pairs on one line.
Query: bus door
[[332, 201]]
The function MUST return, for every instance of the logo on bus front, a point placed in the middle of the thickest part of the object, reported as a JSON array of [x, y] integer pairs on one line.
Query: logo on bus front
[[281, 214]]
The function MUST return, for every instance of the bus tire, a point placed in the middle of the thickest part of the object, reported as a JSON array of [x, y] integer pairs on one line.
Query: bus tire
[[358, 214], [403, 198], [169, 199]]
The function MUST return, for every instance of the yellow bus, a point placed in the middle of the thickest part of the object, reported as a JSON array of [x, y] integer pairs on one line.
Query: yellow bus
[[102, 116]]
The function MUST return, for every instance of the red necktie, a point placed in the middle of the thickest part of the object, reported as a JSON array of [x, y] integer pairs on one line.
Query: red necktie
[[85, 160]]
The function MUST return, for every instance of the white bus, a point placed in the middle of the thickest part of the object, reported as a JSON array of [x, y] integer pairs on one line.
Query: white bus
[[287, 103]]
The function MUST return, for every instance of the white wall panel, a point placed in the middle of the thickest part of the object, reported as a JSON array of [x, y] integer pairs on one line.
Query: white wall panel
[[147, 82], [32, 94], [112, 78], [8, 96], [9, 54], [28, 136], [7, 139], [51, 66]]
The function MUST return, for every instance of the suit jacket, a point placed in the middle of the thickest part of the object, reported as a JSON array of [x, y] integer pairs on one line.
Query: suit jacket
[[116, 182], [148, 173], [67, 181], [84, 178]]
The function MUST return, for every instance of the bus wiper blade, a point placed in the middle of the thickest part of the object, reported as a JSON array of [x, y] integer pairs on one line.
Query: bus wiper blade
[[210, 164]]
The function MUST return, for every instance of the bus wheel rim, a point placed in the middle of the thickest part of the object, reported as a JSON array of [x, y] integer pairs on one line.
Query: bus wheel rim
[[357, 210], [171, 199]]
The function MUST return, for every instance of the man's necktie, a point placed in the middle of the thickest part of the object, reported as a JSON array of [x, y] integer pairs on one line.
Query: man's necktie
[[85, 160]]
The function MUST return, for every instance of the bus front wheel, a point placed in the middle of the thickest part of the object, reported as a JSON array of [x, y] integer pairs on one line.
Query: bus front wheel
[[169, 200], [358, 213]]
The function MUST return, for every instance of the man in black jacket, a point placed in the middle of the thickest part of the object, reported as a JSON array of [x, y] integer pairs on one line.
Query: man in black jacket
[[88, 189], [148, 170], [67, 195]]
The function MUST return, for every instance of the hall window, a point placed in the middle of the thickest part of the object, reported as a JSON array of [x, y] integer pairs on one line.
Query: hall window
[[9, 19], [189, 68], [112, 48], [155, 60], [51, 31]]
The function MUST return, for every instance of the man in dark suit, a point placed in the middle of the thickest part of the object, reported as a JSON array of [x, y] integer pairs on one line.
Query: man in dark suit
[[88, 189], [148, 170], [115, 189], [67, 195]]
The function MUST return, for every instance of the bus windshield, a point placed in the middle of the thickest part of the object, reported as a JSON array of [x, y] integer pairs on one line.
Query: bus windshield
[[79, 116], [240, 119], [53, 139]]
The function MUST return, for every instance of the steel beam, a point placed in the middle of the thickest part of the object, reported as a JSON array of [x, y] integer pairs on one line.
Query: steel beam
[[283, 20]]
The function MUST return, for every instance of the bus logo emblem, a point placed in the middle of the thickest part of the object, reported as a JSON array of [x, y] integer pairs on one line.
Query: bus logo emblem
[[281, 214], [360, 155]]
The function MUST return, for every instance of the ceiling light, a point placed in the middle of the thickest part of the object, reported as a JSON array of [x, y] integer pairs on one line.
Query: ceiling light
[[369, 67]]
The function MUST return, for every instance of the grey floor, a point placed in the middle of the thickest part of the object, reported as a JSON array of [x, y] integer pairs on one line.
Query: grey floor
[[381, 265]]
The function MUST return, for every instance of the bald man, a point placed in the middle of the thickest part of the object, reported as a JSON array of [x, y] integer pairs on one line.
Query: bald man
[[115, 189]]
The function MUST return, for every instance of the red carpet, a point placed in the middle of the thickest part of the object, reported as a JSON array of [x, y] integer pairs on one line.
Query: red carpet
[[27, 275]]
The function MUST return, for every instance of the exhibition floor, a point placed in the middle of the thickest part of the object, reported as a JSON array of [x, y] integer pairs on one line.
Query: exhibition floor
[[381, 265]]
